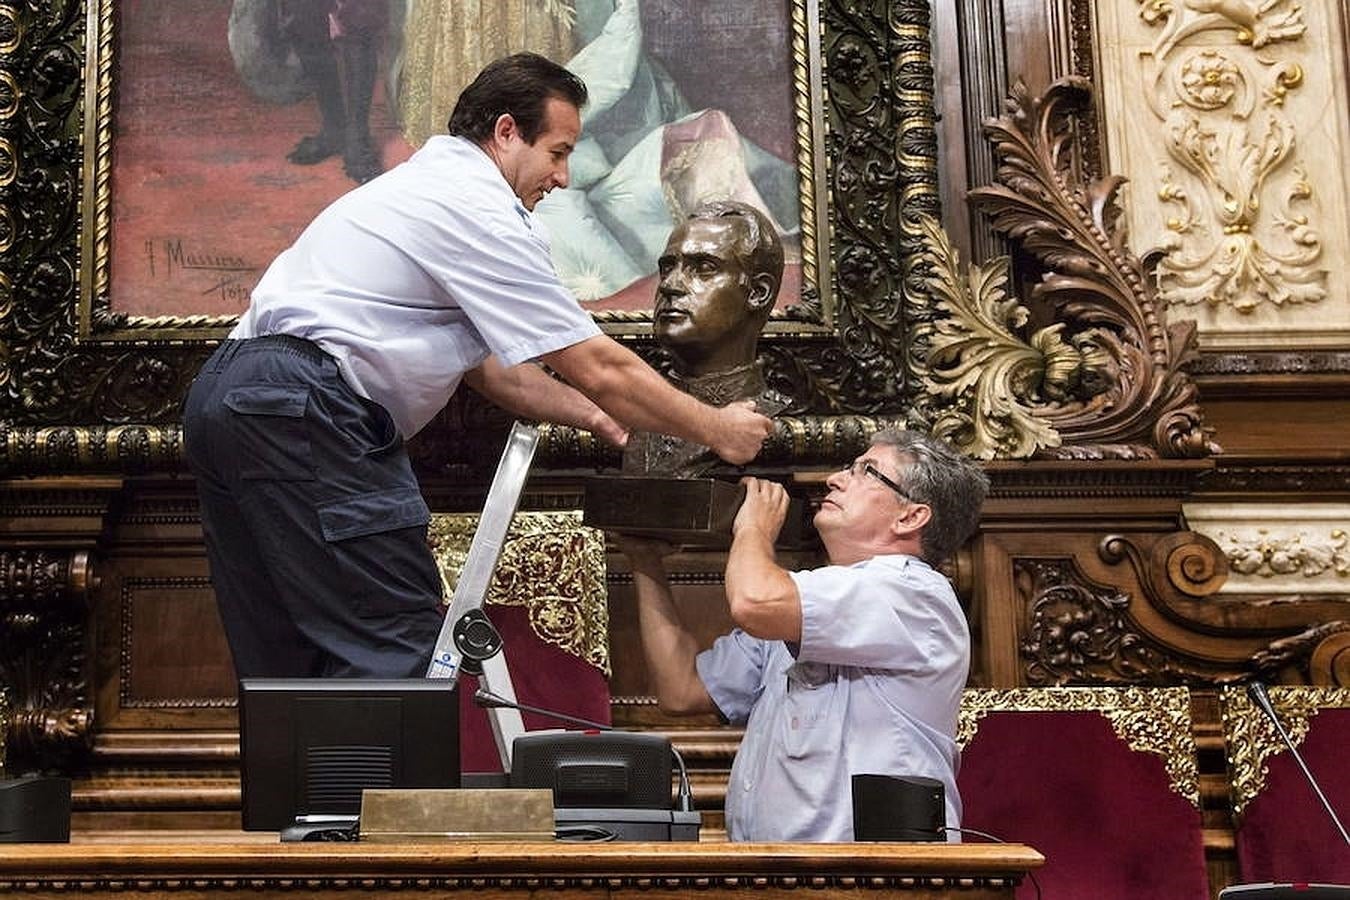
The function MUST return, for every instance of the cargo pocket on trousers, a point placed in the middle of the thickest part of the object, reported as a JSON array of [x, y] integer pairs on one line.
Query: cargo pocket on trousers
[[378, 540], [271, 439]]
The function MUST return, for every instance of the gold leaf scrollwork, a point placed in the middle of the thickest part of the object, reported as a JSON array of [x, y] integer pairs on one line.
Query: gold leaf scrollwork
[[1148, 720], [9, 96], [11, 33], [1251, 739], [993, 381], [1133, 397], [551, 565], [9, 162]]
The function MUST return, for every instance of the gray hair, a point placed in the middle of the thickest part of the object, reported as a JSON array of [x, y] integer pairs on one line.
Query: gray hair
[[951, 485]]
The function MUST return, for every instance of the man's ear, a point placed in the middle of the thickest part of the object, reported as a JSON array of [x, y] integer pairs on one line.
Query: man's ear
[[912, 520], [505, 128], [762, 291]]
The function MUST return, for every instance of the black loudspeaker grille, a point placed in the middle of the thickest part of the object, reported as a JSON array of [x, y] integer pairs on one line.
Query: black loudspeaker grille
[[336, 775], [598, 770]]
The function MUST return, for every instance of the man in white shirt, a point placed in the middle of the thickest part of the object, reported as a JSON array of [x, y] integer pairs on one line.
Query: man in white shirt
[[852, 668], [356, 337]]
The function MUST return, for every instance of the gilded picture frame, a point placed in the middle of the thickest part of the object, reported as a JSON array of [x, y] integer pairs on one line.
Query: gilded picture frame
[[185, 209], [85, 387]]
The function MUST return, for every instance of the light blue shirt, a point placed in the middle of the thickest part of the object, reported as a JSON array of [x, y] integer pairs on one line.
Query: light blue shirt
[[875, 687], [416, 277]]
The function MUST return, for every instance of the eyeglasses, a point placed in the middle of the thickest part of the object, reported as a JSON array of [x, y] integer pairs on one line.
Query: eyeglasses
[[863, 467]]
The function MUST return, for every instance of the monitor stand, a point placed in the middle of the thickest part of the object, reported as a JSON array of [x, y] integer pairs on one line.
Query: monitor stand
[[321, 828]]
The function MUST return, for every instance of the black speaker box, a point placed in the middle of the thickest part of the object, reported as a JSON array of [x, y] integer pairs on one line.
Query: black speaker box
[[898, 808]]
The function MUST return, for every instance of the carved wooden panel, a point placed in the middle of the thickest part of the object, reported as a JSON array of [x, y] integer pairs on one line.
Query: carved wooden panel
[[1232, 123], [173, 650], [162, 657]]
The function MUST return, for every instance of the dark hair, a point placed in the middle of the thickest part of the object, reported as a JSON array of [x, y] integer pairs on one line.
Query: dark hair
[[757, 247], [953, 487], [518, 86]]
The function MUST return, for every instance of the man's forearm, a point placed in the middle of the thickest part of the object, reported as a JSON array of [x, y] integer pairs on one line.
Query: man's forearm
[[637, 396], [669, 648], [527, 390], [631, 391], [762, 596]]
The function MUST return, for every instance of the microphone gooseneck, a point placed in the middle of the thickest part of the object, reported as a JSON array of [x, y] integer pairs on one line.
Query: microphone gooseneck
[[1258, 694], [488, 700]]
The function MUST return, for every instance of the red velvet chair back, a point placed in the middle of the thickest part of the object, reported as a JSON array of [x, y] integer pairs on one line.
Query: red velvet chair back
[[1283, 831], [1102, 781], [548, 601]]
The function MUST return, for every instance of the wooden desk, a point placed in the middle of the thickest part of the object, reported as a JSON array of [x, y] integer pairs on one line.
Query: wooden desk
[[554, 871]]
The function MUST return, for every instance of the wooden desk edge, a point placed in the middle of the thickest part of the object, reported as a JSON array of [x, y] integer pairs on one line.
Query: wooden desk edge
[[329, 860]]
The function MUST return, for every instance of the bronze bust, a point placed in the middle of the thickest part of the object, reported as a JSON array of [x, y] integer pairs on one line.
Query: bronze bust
[[719, 278]]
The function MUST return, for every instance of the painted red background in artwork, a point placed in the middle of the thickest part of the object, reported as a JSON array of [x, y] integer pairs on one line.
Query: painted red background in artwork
[[203, 197]]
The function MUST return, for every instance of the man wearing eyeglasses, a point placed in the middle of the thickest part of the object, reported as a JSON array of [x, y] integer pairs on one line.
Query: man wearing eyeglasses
[[854, 667]]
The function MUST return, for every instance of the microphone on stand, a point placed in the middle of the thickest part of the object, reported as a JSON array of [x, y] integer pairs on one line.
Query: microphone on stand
[[1256, 691], [488, 700]]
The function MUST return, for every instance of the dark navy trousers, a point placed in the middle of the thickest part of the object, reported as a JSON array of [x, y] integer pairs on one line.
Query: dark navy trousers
[[314, 523]]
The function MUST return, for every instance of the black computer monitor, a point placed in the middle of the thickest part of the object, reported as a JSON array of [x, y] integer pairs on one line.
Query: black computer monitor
[[309, 746]]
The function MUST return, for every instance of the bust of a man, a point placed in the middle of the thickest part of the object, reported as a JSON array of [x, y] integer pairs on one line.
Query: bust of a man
[[719, 278]]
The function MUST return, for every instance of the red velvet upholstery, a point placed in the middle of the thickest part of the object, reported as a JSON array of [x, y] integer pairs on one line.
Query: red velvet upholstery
[[1105, 816], [550, 581], [1283, 832], [542, 675]]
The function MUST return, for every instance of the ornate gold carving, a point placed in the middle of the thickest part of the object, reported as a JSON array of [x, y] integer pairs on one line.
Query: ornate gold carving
[[128, 448], [808, 105], [994, 382], [9, 162], [1270, 555], [1245, 237], [1095, 287], [10, 31], [551, 565], [1148, 720], [9, 96], [1251, 739]]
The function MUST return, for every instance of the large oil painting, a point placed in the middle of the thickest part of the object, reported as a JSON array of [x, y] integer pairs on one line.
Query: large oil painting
[[222, 127]]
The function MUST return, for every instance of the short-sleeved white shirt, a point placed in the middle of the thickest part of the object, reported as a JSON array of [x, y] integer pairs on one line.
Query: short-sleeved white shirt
[[416, 277], [874, 687]]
